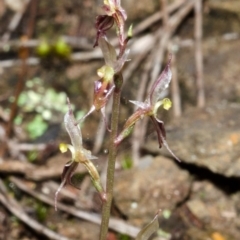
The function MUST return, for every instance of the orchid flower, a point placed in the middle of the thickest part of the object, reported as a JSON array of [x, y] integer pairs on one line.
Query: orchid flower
[[114, 13], [103, 88], [79, 155], [149, 108]]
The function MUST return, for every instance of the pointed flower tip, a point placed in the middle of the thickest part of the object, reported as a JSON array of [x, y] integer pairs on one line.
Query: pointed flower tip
[[70, 109], [130, 31]]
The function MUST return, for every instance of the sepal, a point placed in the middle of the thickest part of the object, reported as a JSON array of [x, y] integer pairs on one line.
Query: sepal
[[103, 24], [160, 84]]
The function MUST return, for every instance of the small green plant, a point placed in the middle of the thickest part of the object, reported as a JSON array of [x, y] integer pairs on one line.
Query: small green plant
[[41, 211], [47, 103], [127, 162], [109, 85], [58, 48]]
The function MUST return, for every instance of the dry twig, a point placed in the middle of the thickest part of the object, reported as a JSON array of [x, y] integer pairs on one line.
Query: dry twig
[[14, 22], [15, 208], [175, 91], [139, 131], [115, 224], [198, 53]]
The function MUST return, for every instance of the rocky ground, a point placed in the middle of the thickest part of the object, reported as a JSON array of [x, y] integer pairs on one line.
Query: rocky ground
[[201, 192], [198, 197]]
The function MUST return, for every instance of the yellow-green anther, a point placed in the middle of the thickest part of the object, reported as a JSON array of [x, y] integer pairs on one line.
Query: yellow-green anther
[[130, 32], [63, 147], [106, 2], [106, 72], [167, 104]]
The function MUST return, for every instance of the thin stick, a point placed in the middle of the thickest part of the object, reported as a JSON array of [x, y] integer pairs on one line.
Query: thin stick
[[162, 46], [17, 210], [138, 133], [14, 22], [114, 224], [165, 14], [173, 24], [174, 21], [75, 42], [198, 53], [156, 17], [175, 91]]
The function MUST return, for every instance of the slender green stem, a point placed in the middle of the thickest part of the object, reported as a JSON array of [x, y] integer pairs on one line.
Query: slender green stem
[[111, 158]]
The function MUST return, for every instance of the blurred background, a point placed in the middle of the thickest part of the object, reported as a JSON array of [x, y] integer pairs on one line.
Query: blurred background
[[46, 55]]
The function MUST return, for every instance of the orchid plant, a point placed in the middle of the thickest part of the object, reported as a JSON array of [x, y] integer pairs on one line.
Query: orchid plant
[[109, 85]]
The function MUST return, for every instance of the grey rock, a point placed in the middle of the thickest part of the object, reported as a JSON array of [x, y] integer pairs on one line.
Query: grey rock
[[139, 193], [209, 138]]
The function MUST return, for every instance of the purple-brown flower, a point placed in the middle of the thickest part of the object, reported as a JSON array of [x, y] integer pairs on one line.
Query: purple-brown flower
[[103, 88], [79, 155], [114, 9], [149, 108], [114, 14]]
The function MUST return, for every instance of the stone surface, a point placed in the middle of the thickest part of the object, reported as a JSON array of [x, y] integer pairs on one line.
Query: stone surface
[[214, 208], [209, 138], [141, 192], [140, 9]]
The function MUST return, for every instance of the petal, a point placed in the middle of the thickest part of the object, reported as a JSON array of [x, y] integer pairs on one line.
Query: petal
[[159, 127], [108, 52], [123, 13], [120, 62], [73, 129], [160, 84], [89, 155], [103, 23], [106, 72], [68, 170], [161, 134], [141, 105]]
